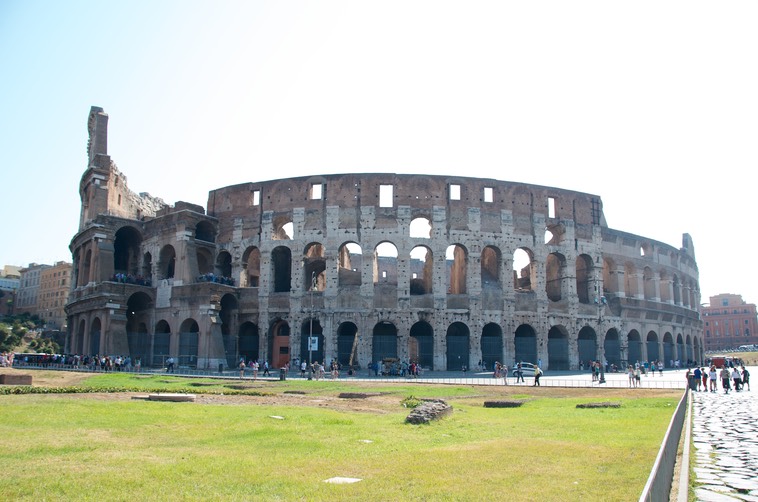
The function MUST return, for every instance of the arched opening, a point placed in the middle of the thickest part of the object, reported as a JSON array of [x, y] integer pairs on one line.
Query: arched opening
[[314, 267], [248, 344], [283, 229], [457, 341], [204, 261], [634, 342], [587, 344], [147, 269], [492, 345], [350, 264], [94, 336], [652, 347], [523, 263], [630, 281], [525, 341], [648, 283], [456, 258], [281, 263], [126, 251], [490, 268], [347, 345], [421, 344], [612, 348], [224, 267], [279, 343], [558, 349], [204, 231], [251, 268], [161, 343], [385, 264], [421, 271], [586, 289], [189, 334], [86, 269], [138, 312], [420, 228], [167, 263], [554, 273], [384, 342], [668, 350], [312, 341], [228, 317]]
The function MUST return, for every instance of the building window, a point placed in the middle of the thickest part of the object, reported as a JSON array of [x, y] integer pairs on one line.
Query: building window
[[256, 197], [487, 194], [551, 207], [455, 192], [316, 189], [385, 195]]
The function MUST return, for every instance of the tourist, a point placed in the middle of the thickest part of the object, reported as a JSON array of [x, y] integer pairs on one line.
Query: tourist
[[660, 368], [637, 375], [265, 369], [697, 374], [519, 373], [745, 378], [170, 365], [537, 375], [255, 366], [704, 375], [712, 376], [632, 378], [737, 379], [725, 384], [241, 367], [504, 372]]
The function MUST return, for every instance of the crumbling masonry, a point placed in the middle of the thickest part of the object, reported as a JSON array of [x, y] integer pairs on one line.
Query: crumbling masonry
[[445, 271]]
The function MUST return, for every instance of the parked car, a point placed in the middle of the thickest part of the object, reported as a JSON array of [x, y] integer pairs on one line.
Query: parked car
[[527, 370]]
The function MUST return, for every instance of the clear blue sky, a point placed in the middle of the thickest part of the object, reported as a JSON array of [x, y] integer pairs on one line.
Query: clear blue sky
[[651, 105]]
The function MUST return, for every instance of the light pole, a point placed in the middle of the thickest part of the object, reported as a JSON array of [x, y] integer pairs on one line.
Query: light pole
[[601, 303], [310, 333]]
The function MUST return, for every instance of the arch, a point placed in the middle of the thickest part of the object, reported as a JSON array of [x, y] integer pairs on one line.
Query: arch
[[251, 268], [420, 228], [630, 281], [554, 234], [167, 262], [86, 269], [79, 345], [668, 349], [126, 251], [665, 286], [138, 312], [311, 328], [281, 264], [350, 264], [457, 341], [612, 348], [384, 342], [283, 228], [95, 332], [555, 267], [523, 269], [279, 343], [456, 257], [385, 263], [421, 344], [677, 290], [652, 346], [648, 282], [685, 358], [314, 267], [525, 342], [492, 344], [189, 334], [490, 267], [422, 269], [147, 268], [634, 344], [204, 261], [586, 285], [228, 317], [205, 231], [161, 343], [558, 349], [223, 265], [347, 345], [587, 344], [610, 277], [248, 344]]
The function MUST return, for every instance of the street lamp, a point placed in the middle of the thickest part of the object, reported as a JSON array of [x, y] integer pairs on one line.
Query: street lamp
[[601, 302], [310, 333]]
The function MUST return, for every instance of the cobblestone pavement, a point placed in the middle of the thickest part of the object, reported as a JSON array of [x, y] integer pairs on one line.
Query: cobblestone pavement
[[725, 436]]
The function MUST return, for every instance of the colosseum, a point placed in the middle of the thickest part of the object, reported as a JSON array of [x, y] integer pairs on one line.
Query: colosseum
[[450, 272]]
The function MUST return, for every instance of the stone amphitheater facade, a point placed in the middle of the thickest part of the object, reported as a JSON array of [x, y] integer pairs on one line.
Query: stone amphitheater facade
[[445, 271]]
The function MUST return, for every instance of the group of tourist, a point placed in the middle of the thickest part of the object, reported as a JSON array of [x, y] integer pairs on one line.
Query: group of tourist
[[254, 366], [706, 380], [6, 359]]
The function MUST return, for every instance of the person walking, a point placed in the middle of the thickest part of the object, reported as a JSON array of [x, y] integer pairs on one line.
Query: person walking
[[712, 376], [170, 365], [632, 379], [745, 378], [241, 367], [698, 375], [737, 379], [725, 379], [537, 375]]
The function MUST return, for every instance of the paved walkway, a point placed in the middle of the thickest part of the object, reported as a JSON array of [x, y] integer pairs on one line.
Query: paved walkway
[[725, 435]]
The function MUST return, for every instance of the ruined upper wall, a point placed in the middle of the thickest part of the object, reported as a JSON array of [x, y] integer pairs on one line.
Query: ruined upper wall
[[421, 193]]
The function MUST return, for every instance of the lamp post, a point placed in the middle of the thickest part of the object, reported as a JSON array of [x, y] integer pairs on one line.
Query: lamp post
[[310, 333], [600, 301]]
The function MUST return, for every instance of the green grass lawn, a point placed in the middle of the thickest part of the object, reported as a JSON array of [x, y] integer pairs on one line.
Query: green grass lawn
[[79, 447]]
